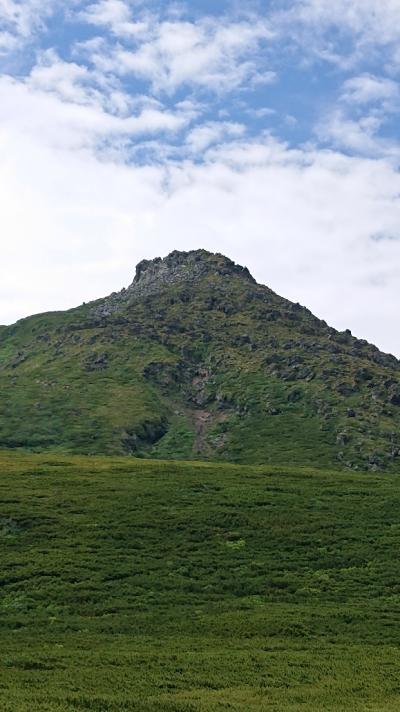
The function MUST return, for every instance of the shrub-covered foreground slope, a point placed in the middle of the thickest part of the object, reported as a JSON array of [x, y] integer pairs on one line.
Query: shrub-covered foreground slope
[[132, 585], [197, 360]]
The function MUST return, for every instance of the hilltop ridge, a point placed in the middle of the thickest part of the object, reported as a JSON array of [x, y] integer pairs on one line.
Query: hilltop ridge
[[177, 268], [195, 359], [181, 266]]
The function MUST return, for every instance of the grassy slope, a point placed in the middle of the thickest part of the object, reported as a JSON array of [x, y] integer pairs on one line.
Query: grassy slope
[[188, 587], [271, 377]]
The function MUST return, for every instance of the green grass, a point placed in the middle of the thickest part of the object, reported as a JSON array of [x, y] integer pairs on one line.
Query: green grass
[[189, 587]]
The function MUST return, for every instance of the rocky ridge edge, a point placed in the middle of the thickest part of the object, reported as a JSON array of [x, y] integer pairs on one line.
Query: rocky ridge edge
[[153, 276]]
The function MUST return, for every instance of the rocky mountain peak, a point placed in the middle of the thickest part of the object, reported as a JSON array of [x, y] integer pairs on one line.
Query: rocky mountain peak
[[193, 360], [151, 275]]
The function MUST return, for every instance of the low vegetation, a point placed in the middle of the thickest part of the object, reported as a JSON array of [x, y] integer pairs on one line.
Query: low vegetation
[[150, 586]]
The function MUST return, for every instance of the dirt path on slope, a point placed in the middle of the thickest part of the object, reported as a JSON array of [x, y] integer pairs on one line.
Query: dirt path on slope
[[201, 419]]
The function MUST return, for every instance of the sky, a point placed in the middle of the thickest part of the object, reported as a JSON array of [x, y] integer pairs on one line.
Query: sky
[[267, 130]]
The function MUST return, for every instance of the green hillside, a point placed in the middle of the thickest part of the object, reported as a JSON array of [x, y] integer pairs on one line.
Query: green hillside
[[132, 585], [195, 360]]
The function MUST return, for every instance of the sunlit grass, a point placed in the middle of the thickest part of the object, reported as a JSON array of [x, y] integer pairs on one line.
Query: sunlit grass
[[150, 586]]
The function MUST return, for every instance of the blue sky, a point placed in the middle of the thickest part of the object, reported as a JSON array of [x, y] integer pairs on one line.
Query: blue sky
[[265, 130]]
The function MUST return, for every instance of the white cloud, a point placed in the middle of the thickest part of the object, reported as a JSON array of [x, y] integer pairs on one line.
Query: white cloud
[[261, 113], [355, 123], [210, 54], [204, 135], [367, 88], [116, 15], [34, 111], [222, 53], [107, 12], [7, 41], [77, 84], [357, 135], [19, 20], [366, 26], [373, 20], [67, 80]]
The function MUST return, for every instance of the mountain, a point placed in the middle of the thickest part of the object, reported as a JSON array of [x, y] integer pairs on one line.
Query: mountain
[[195, 360]]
